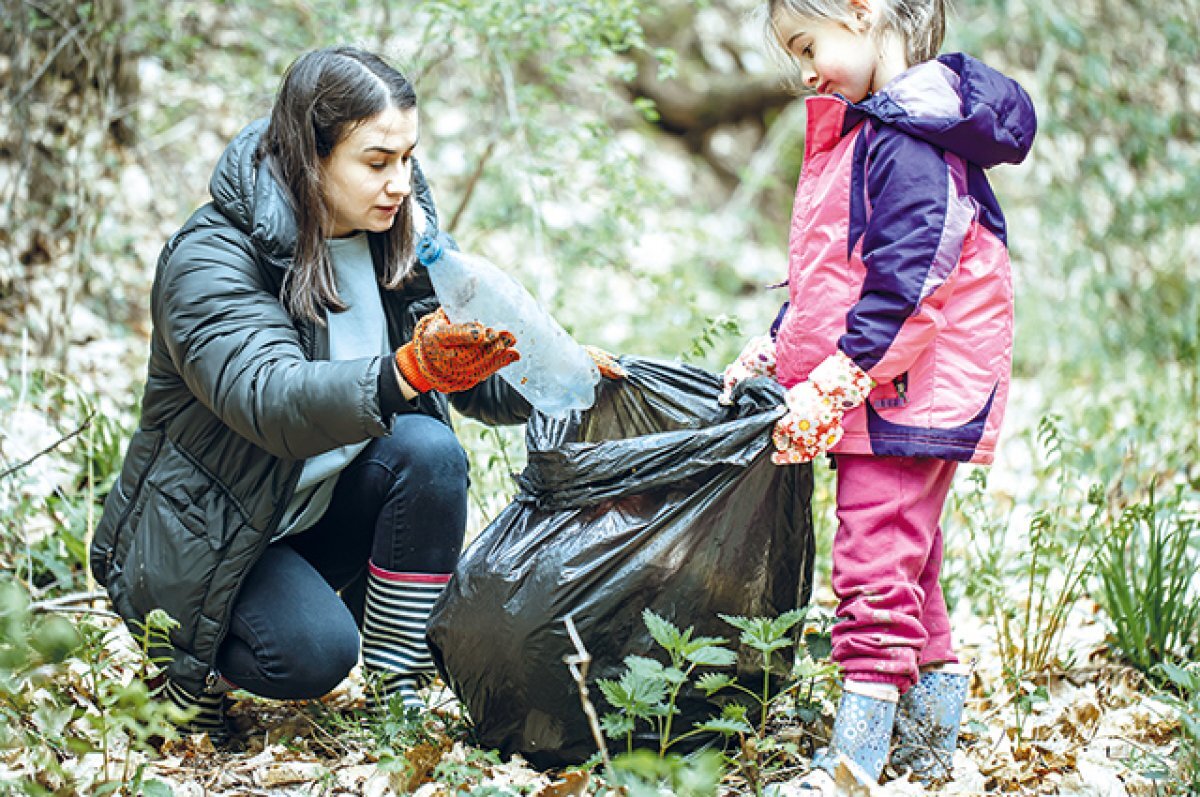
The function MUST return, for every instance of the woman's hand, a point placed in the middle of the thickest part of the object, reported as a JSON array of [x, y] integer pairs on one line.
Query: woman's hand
[[605, 362], [449, 357]]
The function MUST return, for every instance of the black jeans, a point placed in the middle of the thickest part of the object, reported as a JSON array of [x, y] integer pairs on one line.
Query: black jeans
[[401, 503]]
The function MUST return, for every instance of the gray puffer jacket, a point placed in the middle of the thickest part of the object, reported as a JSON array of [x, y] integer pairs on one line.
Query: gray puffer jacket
[[237, 396]]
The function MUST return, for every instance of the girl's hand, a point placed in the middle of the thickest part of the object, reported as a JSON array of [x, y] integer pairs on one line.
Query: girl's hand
[[757, 359], [813, 422], [450, 357], [811, 426]]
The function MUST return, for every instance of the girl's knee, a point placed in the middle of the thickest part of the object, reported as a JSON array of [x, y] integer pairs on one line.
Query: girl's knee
[[324, 659]]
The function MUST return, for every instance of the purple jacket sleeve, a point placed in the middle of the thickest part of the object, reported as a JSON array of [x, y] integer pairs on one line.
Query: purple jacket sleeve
[[911, 247]]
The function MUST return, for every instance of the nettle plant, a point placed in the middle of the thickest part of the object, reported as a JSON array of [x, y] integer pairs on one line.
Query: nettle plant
[[65, 693], [647, 692], [648, 689]]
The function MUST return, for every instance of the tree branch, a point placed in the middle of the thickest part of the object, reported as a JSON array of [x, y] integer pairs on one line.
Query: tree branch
[[578, 665], [86, 423], [693, 114], [472, 181], [70, 604]]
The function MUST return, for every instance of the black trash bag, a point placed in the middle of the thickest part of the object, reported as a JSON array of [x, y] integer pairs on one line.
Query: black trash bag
[[657, 497]]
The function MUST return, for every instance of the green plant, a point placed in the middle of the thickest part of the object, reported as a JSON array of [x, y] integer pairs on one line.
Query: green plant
[[1050, 569], [813, 667], [466, 774], [33, 717], [51, 499], [128, 710], [647, 691], [1056, 567], [1146, 571], [50, 716], [715, 328], [1184, 695], [400, 739], [766, 636], [760, 752], [644, 774], [496, 454]]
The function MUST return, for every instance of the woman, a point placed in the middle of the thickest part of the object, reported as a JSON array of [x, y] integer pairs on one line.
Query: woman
[[294, 477]]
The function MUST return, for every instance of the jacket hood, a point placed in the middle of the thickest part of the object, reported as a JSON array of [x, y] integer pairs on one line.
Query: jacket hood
[[247, 193], [960, 105]]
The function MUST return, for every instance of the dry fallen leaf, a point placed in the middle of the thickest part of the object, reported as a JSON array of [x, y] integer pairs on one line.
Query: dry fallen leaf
[[571, 784], [283, 773], [422, 759]]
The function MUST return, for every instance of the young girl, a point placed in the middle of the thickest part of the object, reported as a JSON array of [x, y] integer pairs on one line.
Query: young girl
[[294, 495], [895, 344]]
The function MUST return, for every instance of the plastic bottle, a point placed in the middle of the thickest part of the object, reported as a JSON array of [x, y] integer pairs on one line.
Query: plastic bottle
[[555, 374]]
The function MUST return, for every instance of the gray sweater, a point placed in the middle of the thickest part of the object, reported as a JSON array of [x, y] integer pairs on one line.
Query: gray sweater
[[359, 331]]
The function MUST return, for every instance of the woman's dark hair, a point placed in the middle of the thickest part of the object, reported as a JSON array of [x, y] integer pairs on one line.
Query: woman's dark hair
[[325, 94]]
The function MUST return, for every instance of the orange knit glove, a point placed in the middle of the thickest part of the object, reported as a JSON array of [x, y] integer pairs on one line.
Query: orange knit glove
[[450, 357], [606, 363]]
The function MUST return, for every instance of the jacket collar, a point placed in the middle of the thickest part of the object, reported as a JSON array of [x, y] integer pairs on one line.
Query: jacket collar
[[955, 102]]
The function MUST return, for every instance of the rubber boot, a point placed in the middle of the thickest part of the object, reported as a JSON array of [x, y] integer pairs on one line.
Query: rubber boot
[[395, 655], [207, 710], [927, 722], [862, 731]]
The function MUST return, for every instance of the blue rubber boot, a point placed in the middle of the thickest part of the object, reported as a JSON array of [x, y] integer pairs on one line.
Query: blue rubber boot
[[862, 731], [927, 722]]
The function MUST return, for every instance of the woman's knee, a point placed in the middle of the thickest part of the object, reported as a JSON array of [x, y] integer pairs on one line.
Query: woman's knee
[[322, 659], [426, 451]]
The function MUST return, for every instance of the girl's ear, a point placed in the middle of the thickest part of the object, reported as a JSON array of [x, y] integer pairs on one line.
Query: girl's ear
[[862, 11]]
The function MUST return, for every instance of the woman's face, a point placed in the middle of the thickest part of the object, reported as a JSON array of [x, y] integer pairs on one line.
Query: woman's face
[[369, 173]]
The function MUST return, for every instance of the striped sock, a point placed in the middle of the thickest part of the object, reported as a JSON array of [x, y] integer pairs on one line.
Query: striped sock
[[208, 711], [395, 654]]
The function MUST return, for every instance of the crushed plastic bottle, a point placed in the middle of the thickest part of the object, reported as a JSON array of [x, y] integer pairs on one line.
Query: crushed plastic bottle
[[555, 374]]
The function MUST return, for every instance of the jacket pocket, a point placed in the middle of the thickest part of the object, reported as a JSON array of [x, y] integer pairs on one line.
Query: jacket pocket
[[891, 396], [123, 507], [186, 497]]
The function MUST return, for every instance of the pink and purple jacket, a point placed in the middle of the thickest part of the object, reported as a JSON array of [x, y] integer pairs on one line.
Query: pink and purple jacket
[[898, 257]]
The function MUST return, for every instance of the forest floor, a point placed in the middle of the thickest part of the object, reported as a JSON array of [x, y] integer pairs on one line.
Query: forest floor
[[1099, 732]]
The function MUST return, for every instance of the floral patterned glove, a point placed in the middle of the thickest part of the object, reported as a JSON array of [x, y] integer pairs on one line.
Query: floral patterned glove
[[756, 359], [813, 422]]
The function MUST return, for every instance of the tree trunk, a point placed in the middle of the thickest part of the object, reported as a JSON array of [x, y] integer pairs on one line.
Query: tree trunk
[[66, 78]]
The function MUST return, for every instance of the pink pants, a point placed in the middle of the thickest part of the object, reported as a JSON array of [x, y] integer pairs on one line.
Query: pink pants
[[887, 554]]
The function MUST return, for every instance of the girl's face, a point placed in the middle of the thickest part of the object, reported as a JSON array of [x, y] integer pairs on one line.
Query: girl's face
[[835, 57], [369, 172]]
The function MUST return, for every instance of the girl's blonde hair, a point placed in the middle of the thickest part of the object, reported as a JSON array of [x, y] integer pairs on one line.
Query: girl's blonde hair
[[921, 23]]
